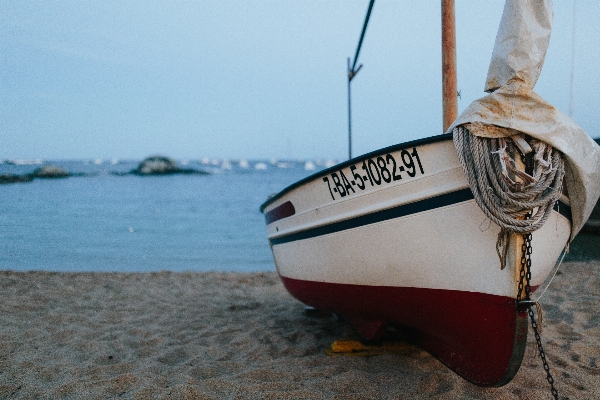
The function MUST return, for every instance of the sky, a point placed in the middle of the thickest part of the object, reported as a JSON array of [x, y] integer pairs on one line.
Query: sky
[[255, 79]]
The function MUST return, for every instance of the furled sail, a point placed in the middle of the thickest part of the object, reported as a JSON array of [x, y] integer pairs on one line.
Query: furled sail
[[513, 107]]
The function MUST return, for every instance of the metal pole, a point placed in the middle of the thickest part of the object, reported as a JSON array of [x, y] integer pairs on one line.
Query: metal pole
[[352, 71], [362, 34], [349, 115], [449, 91], [572, 84]]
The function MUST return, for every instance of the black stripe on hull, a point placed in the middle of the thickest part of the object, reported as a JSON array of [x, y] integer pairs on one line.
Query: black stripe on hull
[[396, 212]]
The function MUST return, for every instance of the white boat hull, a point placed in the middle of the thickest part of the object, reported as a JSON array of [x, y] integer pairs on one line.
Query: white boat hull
[[354, 241]]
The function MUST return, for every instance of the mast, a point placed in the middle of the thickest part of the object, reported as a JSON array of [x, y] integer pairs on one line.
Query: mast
[[349, 113], [449, 87]]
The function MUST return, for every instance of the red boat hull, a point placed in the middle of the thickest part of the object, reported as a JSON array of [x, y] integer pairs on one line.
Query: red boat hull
[[480, 336]]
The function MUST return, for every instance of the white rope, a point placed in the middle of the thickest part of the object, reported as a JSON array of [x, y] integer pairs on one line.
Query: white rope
[[556, 267], [506, 193]]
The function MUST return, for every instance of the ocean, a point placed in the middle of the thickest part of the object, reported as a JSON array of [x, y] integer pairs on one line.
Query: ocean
[[107, 221]]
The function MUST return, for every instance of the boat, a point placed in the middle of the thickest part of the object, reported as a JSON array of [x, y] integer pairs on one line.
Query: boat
[[402, 237]]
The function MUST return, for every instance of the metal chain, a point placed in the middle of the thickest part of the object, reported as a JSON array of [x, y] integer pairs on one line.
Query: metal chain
[[538, 339], [524, 279]]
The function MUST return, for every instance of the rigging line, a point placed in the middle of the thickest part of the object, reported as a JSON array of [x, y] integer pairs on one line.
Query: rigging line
[[352, 72], [572, 59]]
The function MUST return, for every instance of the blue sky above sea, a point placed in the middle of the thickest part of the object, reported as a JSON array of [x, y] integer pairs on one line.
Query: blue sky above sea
[[254, 79]]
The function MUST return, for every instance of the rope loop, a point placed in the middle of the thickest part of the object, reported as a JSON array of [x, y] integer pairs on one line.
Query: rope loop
[[518, 202]]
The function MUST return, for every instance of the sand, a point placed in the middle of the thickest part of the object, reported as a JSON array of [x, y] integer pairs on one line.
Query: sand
[[241, 336]]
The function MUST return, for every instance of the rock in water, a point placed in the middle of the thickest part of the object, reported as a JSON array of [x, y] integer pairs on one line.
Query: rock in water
[[157, 165], [50, 171], [15, 178]]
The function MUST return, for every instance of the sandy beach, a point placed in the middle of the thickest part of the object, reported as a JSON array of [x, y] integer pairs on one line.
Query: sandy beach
[[242, 336]]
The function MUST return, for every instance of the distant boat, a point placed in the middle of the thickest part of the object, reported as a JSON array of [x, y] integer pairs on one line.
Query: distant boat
[[400, 237], [309, 166], [261, 166], [226, 165], [36, 161], [284, 165]]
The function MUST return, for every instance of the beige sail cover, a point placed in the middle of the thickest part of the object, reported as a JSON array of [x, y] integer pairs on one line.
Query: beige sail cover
[[513, 106]]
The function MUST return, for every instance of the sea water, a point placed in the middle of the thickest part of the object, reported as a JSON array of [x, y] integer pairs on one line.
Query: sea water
[[104, 221]]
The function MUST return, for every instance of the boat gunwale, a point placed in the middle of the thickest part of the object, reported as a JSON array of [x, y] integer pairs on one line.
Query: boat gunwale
[[389, 149]]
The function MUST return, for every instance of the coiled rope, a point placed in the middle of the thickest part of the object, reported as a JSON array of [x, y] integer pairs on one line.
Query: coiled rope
[[511, 198]]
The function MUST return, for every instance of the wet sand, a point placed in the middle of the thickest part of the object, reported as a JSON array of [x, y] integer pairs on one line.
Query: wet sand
[[241, 336]]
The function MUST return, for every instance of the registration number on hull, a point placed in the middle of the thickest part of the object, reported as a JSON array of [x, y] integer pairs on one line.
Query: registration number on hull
[[374, 171]]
